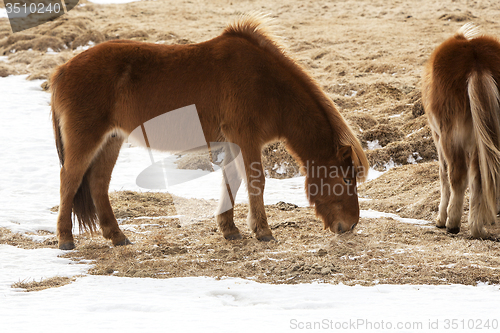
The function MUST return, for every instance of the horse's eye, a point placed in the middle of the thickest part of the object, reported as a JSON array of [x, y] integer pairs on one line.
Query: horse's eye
[[347, 181]]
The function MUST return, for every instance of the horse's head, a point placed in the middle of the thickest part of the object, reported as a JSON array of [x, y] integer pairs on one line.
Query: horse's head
[[331, 187]]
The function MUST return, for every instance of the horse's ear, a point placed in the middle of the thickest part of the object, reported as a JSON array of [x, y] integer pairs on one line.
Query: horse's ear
[[345, 153]]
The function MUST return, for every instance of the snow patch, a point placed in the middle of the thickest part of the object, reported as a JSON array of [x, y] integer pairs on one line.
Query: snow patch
[[29, 265], [372, 214], [281, 169], [408, 135], [141, 302], [157, 217], [374, 174], [352, 93], [85, 47], [396, 115], [373, 145], [412, 159]]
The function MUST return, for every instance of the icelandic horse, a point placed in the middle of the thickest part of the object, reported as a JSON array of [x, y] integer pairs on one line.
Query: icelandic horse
[[246, 90], [462, 103]]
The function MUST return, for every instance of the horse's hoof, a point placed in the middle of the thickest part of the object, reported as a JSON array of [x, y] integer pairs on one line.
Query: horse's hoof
[[123, 242], [67, 246], [453, 230], [440, 226], [233, 237], [266, 238]]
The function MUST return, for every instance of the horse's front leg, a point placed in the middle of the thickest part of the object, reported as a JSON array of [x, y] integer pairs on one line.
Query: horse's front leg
[[225, 215], [257, 220], [99, 175], [230, 185]]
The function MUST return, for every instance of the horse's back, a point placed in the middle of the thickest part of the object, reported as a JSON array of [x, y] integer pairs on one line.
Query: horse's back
[[236, 81], [133, 81], [447, 74], [453, 61]]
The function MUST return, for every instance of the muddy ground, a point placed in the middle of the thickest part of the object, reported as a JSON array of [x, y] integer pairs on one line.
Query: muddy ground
[[368, 57]]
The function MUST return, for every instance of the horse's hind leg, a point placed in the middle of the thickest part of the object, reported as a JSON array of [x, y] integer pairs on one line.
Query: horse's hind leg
[[479, 214], [99, 176], [71, 177], [445, 188], [78, 152], [457, 177], [230, 185]]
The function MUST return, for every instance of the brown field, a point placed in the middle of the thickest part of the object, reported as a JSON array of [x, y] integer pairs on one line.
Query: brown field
[[368, 57]]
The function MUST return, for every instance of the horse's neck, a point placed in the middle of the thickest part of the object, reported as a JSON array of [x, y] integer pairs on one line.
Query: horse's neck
[[310, 136]]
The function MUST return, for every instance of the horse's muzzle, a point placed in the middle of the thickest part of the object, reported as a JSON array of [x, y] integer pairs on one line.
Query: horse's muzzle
[[341, 228]]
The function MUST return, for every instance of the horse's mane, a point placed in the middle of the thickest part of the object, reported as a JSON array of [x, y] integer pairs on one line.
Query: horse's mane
[[255, 28]]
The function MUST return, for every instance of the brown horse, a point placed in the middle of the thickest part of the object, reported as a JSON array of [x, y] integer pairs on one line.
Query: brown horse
[[246, 91], [462, 103]]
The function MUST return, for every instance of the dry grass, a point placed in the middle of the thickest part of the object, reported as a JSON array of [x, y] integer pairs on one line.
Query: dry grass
[[24, 241], [411, 191], [380, 250], [53, 282]]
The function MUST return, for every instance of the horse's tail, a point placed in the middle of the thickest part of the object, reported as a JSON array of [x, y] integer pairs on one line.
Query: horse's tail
[[83, 204], [484, 101]]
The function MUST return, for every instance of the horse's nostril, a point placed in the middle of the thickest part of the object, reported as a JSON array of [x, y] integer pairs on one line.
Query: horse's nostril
[[353, 226]]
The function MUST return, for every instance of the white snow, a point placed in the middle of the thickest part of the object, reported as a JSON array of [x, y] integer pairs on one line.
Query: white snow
[[416, 131], [33, 265], [102, 304], [396, 115], [372, 214], [414, 158], [50, 51], [390, 165], [156, 217], [85, 47], [3, 13], [281, 169], [29, 187], [352, 93], [374, 174], [28, 159], [373, 145]]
